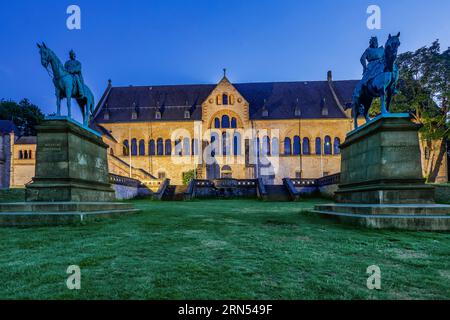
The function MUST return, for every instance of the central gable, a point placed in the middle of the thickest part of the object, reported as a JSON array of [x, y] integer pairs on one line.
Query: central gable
[[222, 99]]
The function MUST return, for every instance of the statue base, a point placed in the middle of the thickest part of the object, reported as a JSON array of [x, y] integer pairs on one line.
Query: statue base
[[71, 164], [381, 172], [72, 180]]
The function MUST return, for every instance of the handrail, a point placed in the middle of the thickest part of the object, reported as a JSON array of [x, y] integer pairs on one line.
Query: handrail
[[293, 193], [260, 188], [190, 191], [162, 188]]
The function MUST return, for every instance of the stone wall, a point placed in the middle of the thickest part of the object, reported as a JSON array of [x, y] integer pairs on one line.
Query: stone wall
[[442, 193], [22, 170], [5, 160]]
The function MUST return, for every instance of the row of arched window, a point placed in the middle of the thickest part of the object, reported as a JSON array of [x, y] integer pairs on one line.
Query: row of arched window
[[225, 99], [297, 147], [160, 147], [25, 154], [187, 146], [225, 122]]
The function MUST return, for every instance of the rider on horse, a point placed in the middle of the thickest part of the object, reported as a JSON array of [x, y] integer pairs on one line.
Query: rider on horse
[[374, 56], [73, 67]]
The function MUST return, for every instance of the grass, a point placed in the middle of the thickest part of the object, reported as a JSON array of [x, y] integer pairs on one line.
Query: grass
[[236, 249]]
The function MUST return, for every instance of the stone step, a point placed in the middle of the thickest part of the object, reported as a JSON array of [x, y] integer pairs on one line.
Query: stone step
[[63, 206], [277, 193], [386, 209]]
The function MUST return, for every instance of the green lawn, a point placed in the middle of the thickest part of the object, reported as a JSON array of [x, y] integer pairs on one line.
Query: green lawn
[[237, 249]]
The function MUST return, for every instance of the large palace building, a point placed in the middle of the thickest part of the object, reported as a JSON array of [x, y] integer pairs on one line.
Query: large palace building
[[250, 130]]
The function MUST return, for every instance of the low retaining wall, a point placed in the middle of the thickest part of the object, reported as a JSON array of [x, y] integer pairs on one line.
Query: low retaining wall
[[127, 188], [224, 188], [442, 193]]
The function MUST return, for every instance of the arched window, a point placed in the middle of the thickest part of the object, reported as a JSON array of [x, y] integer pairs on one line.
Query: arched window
[[318, 146], [225, 121], [287, 146], [306, 149], [327, 145], [275, 146], [20, 154], [133, 147], [151, 147], [178, 147], [231, 99], [160, 147], [336, 145], [186, 147], [214, 143], [30, 156], [141, 147], [266, 146], [225, 99], [168, 147], [233, 123], [217, 123], [237, 144], [195, 147], [25, 154], [126, 148], [225, 144], [296, 145], [258, 146]]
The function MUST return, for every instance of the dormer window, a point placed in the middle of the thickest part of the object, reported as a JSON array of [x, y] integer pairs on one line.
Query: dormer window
[[158, 115], [106, 115], [298, 111], [323, 107], [134, 113], [225, 99], [187, 115], [265, 113]]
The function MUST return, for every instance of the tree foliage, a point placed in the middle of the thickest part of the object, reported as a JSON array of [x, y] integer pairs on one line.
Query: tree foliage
[[424, 89], [24, 114]]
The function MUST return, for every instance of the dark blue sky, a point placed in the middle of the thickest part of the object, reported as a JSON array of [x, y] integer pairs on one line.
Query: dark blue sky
[[179, 41]]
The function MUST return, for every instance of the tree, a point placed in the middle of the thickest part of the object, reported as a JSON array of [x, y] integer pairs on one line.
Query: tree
[[24, 114], [424, 92], [188, 177]]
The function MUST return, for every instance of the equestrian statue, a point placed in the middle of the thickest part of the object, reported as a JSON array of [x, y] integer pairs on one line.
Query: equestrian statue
[[380, 77], [68, 82]]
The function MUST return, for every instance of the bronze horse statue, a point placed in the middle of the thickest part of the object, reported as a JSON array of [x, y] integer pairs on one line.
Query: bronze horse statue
[[65, 86], [382, 84]]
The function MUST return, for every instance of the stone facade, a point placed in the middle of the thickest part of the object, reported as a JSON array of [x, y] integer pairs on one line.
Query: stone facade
[[298, 127]]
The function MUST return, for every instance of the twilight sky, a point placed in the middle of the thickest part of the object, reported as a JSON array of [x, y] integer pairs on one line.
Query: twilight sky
[[189, 41]]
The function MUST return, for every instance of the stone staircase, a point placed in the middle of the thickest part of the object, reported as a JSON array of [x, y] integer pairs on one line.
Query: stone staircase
[[277, 193], [174, 193]]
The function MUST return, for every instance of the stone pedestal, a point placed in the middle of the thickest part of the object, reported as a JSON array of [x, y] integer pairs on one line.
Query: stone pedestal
[[381, 183], [381, 164], [71, 164], [72, 179]]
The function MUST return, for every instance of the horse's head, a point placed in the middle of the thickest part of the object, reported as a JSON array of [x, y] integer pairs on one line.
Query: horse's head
[[45, 54], [393, 43]]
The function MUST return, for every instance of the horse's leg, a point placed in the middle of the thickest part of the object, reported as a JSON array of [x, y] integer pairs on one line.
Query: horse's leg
[[58, 104], [355, 114], [69, 101], [367, 105]]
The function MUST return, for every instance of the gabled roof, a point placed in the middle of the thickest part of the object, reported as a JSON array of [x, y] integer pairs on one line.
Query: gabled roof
[[279, 98], [7, 126], [27, 140]]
